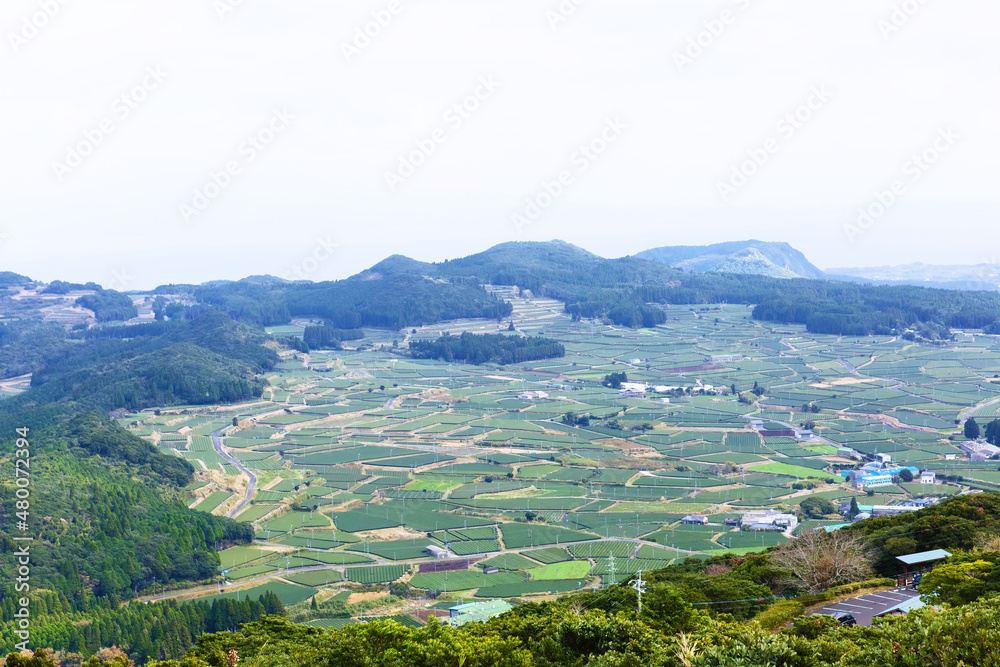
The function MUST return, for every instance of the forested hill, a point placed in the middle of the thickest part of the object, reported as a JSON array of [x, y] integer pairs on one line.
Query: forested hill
[[11, 278], [624, 290], [391, 301], [105, 503], [105, 520], [211, 359]]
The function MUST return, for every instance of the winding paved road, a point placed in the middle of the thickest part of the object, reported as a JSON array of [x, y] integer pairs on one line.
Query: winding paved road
[[217, 443]]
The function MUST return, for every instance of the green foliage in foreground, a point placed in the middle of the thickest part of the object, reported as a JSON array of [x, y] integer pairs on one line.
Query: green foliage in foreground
[[579, 633]]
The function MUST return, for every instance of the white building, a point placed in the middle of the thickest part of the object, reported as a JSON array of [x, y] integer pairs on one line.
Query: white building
[[533, 396], [979, 451], [928, 477], [436, 551], [776, 520]]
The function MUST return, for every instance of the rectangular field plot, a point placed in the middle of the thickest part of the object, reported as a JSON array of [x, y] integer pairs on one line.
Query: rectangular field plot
[[213, 501], [378, 574], [315, 579], [396, 549], [286, 522], [510, 562], [550, 555], [236, 556], [474, 547], [603, 549], [530, 588], [569, 570], [390, 516], [255, 512], [518, 535], [288, 593], [463, 580]]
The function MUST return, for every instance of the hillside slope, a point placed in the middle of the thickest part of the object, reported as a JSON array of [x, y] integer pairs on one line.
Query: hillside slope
[[761, 258]]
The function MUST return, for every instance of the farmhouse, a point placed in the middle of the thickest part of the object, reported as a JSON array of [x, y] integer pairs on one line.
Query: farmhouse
[[874, 474], [436, 551], [533, 396], [892, 510], [928, 477], [768, 520], [979, 451], [695, 519]]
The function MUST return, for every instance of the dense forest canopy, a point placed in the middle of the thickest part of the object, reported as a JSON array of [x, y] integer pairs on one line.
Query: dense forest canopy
[[109, 305], [488, 348], [107, 518]]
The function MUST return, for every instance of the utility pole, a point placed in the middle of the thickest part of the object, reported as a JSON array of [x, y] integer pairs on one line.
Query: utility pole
[[637, 585]]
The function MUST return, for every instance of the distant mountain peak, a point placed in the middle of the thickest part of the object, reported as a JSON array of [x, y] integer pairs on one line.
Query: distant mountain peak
[[776, 259]]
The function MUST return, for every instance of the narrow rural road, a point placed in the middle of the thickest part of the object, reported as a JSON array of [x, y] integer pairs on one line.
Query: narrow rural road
[[970, 412], [217, 443]]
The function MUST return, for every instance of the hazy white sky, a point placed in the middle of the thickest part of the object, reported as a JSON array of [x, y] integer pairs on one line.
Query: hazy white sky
[[116, 113]]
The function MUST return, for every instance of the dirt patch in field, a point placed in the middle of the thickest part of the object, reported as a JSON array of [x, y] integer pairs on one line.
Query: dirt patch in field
[[841, 382], [374, 595], [386, 534], [423, 614]]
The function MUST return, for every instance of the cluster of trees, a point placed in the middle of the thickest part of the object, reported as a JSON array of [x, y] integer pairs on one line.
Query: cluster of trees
[[992, 432], [156, 631], [327, 337], [488, 348], [614, 380], [63, 287], [573, 419], [25, 344], [816, 507], [109, 305], [961, 522], [381, 300]]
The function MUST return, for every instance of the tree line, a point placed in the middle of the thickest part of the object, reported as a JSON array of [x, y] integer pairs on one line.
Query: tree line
[[487, 348]]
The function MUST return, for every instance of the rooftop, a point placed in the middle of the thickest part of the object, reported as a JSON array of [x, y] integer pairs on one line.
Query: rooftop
[[865, 608], [924, 557]]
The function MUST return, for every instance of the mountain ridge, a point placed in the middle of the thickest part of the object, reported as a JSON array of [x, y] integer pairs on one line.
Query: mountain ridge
[[776, 259]]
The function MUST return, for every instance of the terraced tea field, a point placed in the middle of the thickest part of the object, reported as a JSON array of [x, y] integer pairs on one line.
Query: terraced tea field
[[368, 460]]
